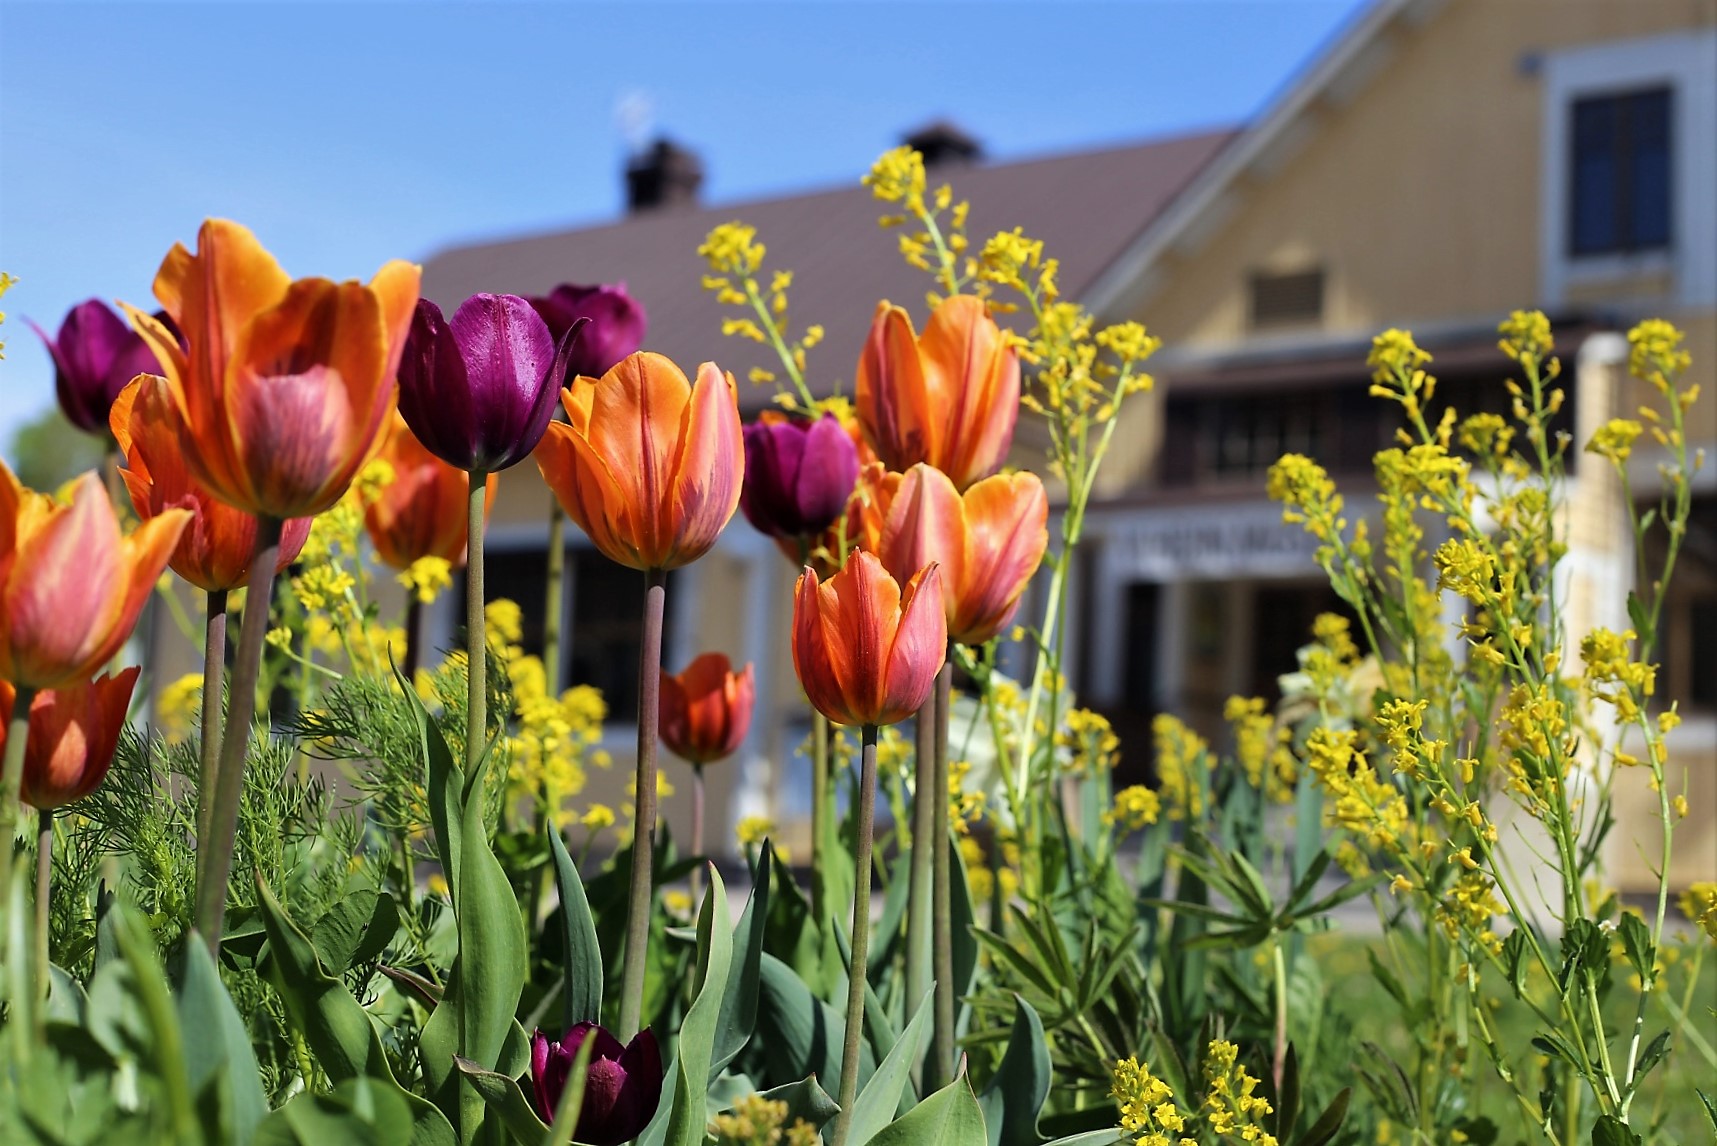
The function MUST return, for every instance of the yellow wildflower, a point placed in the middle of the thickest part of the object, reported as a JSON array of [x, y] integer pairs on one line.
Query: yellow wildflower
[[427, 577]]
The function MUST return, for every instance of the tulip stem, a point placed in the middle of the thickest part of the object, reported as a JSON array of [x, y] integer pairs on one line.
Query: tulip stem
[[476, 636], [697, 832], [941, 865], [920, 931], [12, 774], [44, 890], [641, 891], [215, 853], [856, 969], [214, 669], [413, 638], [554, 607], [820, 810]]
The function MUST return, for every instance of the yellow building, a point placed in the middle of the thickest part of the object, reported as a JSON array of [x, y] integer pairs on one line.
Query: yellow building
[[1444, 162]]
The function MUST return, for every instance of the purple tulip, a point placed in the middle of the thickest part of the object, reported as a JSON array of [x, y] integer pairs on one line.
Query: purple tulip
[[616, 323], [798, 475], [621, 1089], [478, 391], [95, 355]]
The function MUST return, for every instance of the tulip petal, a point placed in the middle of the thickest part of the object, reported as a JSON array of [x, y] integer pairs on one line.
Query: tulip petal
[[581, 481], [972, 378], [1007, 532], [918, 647], [637, 416], [62, 590], [926, 525], [709, 470], [73, 735], [889, 392]]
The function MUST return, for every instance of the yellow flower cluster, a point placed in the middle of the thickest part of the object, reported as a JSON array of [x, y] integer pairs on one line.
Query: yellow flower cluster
[[898, 176], [731, 249], [1533, 729], [324, 587], [1009, 258], [1699, 904], [964, 808], [553, 737], [1234, 1112], [1183, 764], [179, 705], [1469, 905], [1613, 675], [1655, 354], [426, 577], [1526, 335], [1394, 353], [753, 830], [1147, 1106], [1401, 722], [736, 258], [1487, 435], [1135, 806], [1309, 499], [1090, 741], [759, 1121], [1365, 803], [1262, 746], [1615, 439]]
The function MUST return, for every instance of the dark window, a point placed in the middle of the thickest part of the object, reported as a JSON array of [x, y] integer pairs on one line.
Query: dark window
[[1702, 654], [605, 626], [1287, 300], [1619, 173]]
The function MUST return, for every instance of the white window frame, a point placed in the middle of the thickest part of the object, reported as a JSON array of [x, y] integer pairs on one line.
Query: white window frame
[[1685, 62]]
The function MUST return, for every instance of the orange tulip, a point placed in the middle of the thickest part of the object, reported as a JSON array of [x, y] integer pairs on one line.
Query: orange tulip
[[287, 384], [706, 709], [988, 541], [74, 732], [949, 398], [866, 650], [649, 465], [214, 551], [71, 585], [423, 511]]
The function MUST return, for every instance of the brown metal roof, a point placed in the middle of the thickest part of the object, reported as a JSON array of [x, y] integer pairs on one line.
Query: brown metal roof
[[1086, 207]]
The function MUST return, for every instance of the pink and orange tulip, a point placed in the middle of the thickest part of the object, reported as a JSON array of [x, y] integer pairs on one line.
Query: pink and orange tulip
[[988, 541], [949, 397], [287, 384], [648, 465], [214, 551], [867, 651], [71, 586], [859, 528], [423, 511], [706, 708], [74, 732]]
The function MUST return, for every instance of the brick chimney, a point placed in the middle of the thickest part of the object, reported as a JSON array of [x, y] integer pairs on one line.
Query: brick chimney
[[944, 145], [664, 174]]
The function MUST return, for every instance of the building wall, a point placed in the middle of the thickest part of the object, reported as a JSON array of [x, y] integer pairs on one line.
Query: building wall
[[1417, 184]]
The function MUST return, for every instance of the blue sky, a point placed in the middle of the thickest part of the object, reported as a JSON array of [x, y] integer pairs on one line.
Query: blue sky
[[347, 134]]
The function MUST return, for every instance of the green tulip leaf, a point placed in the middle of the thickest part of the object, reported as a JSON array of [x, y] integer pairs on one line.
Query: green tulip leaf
[[877, 1104], [738, 1016], [221, 1054], [690, 1112], [360, 1112], [507, 1099], [950, 1117], [1015, 1095], [581, 989]]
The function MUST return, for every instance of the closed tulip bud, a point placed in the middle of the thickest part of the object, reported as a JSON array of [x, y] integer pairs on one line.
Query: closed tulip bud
[[286, 384], [866, 650], [859, 528], [95, 354], [622, 1085], [74, 732], [949, 398], [988, 542], [798, 475], [706, 709], [423, 511], [617, 324], [479, 389], [214, 551], [71, 585], [647, 464]]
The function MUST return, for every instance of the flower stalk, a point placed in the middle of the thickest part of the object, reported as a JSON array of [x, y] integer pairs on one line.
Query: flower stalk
[[214, 669], [215, 853], [640, 891], [13, 775], [920, 945], [856, 977], [44, 891], [821, 812], [476, 630], [942, 876]]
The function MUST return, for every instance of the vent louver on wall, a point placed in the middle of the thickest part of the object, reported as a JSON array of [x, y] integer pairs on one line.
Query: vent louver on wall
[[1288, 299]]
